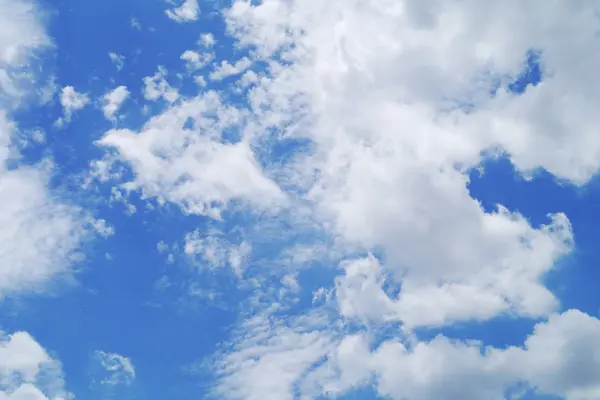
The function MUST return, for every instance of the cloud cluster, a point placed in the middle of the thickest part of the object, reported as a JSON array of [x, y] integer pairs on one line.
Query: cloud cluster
[[400, 100], [397, 103]]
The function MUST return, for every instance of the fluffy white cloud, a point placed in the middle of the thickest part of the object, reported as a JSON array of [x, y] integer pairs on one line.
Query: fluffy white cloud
[[395, 99], [189, 10], [226, 69], [23, 364], [195, 60], [113, 101], [39, 235], [279, 360], [117, 368], [71, 101], [21, 32], [156, 87], [178, 156], [379, 89], [207, 40]]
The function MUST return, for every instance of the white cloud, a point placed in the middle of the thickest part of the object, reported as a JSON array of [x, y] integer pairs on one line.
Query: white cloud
[[195, 60], [39, 235], [226, 69], [118, 369], [71, 101], [156, 87], [270, 358], [372, 90], [275, 359], [21, 32], [189, 10], [102, 227], [207, 40], [113, 101], [189, 165], [380, 90], [22, 363], [213, 251], [118, 60]]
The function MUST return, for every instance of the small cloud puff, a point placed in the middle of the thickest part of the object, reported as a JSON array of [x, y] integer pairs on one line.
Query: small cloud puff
[[113, 101], [71, 101], [188, 11], [119, 369]]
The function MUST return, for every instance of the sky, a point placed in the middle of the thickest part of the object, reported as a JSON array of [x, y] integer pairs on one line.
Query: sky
[[294, 200]]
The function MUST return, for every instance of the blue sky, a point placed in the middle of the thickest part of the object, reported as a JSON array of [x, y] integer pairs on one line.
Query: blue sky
[[299, 200]]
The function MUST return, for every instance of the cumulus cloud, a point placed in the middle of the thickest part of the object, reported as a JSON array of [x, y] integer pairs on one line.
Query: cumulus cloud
[[71, 101], [195, 60], [27, 371], [22, 33], [226, 69], [189, 10], [113, 101], [399, 101], [156, 87], [207, 40], [178, 156]]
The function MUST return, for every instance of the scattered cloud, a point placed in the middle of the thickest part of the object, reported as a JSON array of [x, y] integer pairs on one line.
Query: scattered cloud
[[195, 60], [118, 369], [189, 10], [71, 101], [118, 60], [156, 87], [226, 69], [113, 101]]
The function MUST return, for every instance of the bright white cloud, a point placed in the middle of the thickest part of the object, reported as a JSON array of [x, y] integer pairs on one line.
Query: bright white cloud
[[207, 40], [113, 101], [226, 69], [271, 357], [189, 10], [178, 156], [71, 101], [381, 89], [156, 87], [195, 60], [39, 235], [394, 98], [22, 363], [21, 32], [118, 369]]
